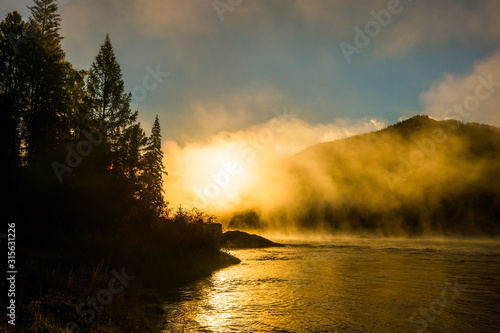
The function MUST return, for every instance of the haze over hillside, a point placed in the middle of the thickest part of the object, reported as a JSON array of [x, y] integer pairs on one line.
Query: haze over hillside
[[417, 177]]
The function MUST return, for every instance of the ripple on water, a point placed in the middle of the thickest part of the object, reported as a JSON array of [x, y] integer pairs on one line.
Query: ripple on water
[[344, 287]]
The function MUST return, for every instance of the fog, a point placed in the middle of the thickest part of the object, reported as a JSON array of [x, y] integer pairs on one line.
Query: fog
[[418, 177], [199, 175]]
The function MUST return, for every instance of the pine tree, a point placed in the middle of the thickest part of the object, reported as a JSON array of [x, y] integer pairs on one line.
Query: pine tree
[[109, 105], [105, 84], [33, 74], [35, 91], [153, 172], [13, 83], [45, 14], [130, 147], [47, 73]]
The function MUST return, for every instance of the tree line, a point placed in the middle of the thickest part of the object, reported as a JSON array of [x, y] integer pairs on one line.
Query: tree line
[[71, 135], [84, 187]]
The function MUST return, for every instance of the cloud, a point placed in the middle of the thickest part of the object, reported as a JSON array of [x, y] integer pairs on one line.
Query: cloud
[[468, 97], [172, 16], [207, 115], [421, 24], [20, 6], [431, 24], [336, 17]]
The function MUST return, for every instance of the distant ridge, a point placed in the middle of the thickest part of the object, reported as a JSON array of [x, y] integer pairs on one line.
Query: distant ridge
[[417, 177], [408, 127]]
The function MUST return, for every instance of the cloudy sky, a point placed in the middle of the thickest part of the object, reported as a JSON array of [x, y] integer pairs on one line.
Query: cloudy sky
[[230, 62], [337, 67]]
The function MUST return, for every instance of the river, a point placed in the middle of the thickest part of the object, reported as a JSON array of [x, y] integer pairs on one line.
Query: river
[[348, 285]]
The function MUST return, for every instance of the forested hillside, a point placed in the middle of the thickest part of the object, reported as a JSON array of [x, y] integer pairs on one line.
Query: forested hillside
[[417, 177], [420, 177]]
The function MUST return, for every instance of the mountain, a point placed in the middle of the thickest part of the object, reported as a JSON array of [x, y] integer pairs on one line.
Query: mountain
[[417, 177]]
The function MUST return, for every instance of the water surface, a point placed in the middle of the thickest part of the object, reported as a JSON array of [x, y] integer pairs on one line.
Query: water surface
[[348, 285]]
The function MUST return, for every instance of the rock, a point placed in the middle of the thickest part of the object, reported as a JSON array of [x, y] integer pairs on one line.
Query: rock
[[242, 240]]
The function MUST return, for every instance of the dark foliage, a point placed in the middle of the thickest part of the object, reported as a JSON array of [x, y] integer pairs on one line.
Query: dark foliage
[[85, 187]]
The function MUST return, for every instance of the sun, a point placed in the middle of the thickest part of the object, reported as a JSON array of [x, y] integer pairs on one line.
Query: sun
[[217, 176]]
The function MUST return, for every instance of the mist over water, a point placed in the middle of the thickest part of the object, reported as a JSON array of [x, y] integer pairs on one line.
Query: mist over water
[[394, 230], [417, 178], [348, 285], [199, 175]]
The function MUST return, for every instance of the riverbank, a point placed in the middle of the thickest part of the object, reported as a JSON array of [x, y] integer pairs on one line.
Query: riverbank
[[96, 283]]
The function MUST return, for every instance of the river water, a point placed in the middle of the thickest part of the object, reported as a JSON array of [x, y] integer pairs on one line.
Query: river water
[[348, 285]]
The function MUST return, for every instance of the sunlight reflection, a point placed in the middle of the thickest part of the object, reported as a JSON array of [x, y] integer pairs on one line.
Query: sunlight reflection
[[342, 285]]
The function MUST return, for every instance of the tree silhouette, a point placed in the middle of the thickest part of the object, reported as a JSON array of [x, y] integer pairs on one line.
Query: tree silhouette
[[131, 145], [109, 105], [34, 71], [152, 178], [13, 83], [47, 70], [45, 14]]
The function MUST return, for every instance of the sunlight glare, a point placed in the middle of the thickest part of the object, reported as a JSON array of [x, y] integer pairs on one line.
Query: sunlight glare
[[217, 174]]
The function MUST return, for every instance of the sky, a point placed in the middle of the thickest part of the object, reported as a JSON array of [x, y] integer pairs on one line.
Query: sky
[[335, 68]]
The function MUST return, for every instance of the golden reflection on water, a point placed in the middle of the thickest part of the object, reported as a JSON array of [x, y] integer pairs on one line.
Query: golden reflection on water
[[357, 286], [225, 304]]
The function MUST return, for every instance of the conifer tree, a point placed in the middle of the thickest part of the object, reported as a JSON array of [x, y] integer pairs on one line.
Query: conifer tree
[[35, 86], [105, 84], [153, 171], [13, 83], [47, 71], [130, 147], [45, 14], [109, 105]]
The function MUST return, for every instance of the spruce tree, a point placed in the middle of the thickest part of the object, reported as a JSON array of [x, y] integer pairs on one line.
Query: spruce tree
[[130, 147], [13, 84], [153, 171], [47, 111], [105, 84], [108, 104], [45, 14], [45, 118], [34, 78]]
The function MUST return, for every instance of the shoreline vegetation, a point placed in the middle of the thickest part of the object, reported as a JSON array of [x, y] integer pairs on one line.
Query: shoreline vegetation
[[67, 278]]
